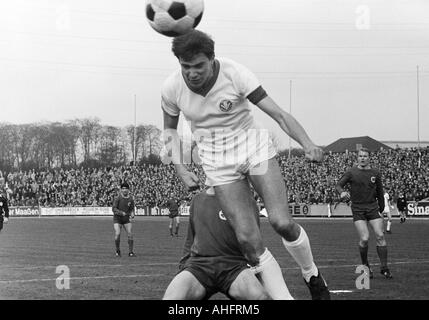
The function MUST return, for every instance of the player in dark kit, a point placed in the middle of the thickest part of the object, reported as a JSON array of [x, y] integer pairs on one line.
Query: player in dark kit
[[401, 204], [213, 261], [173, 215], [123, 210], [367, 204], [4, 210]]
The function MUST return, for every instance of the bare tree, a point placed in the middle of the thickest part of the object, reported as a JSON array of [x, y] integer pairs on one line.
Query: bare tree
[[140, 139], [7, 153], [47, 145], [111, 150], [88, 132], [154, 139]]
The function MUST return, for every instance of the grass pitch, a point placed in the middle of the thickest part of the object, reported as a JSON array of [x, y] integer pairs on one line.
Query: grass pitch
[[31, 249]]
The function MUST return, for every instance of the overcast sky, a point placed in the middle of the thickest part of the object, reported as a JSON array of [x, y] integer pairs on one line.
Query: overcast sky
[[352, 63]]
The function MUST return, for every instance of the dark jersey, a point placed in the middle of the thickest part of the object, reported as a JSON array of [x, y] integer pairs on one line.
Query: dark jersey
[[401, 203], [366, 188], [123, 204], [172, 206], [4, 209], [209, 233]]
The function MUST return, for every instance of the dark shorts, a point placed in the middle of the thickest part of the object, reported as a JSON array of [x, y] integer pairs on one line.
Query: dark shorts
[[173, 214], [216, 274], [366, 214], [1, 224], [121, 220]]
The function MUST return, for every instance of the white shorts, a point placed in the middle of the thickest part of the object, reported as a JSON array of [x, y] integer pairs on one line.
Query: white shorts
[[254, 162]]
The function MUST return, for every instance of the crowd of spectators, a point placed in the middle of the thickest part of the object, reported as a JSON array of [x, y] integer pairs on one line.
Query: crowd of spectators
[[403, 170]]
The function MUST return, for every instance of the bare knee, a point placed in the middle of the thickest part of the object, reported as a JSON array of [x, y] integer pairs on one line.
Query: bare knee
[[363, 242], [380, 239]]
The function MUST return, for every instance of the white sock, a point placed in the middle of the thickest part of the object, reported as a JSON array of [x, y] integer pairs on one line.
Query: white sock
[[389, 223], [300, 250], [271, 277]]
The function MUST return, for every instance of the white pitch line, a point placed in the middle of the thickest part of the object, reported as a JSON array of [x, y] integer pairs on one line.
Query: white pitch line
[[341, 291], [81, 278], [176, 263]]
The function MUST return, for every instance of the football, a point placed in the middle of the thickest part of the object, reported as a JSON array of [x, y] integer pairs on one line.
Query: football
[[174, 17]]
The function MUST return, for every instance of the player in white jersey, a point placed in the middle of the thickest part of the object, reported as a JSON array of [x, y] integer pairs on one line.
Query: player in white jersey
[[214, 94], [387, 207]]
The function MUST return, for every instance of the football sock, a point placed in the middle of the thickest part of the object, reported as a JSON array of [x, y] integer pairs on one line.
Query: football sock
[[177, 229], [171, 230], [130, 244], [389, 223], [364, 254], [300, 250], [117, 243], [382, 254], [271, 277]]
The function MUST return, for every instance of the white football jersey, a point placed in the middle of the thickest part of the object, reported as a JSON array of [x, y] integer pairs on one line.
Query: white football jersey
[[220, 119]]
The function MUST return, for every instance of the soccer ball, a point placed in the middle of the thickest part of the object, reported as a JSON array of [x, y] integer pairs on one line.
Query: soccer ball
[[174, 17]]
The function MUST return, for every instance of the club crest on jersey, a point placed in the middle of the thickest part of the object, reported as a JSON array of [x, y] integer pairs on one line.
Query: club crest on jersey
[[373, 179], [221, 216], [225, 105]]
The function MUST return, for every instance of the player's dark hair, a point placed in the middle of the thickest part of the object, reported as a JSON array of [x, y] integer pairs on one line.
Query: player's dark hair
[[188, 45]]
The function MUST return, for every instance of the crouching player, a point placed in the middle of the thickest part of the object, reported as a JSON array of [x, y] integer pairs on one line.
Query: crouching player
[[213, 261], [123, 210]]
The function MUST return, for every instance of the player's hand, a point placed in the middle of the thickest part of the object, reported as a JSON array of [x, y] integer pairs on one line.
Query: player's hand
[[6, 220], [190, 180], [314, 153], [345, 195]]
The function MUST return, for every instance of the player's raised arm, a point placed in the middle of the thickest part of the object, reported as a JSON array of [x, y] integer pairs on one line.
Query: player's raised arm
[[291, 127]]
